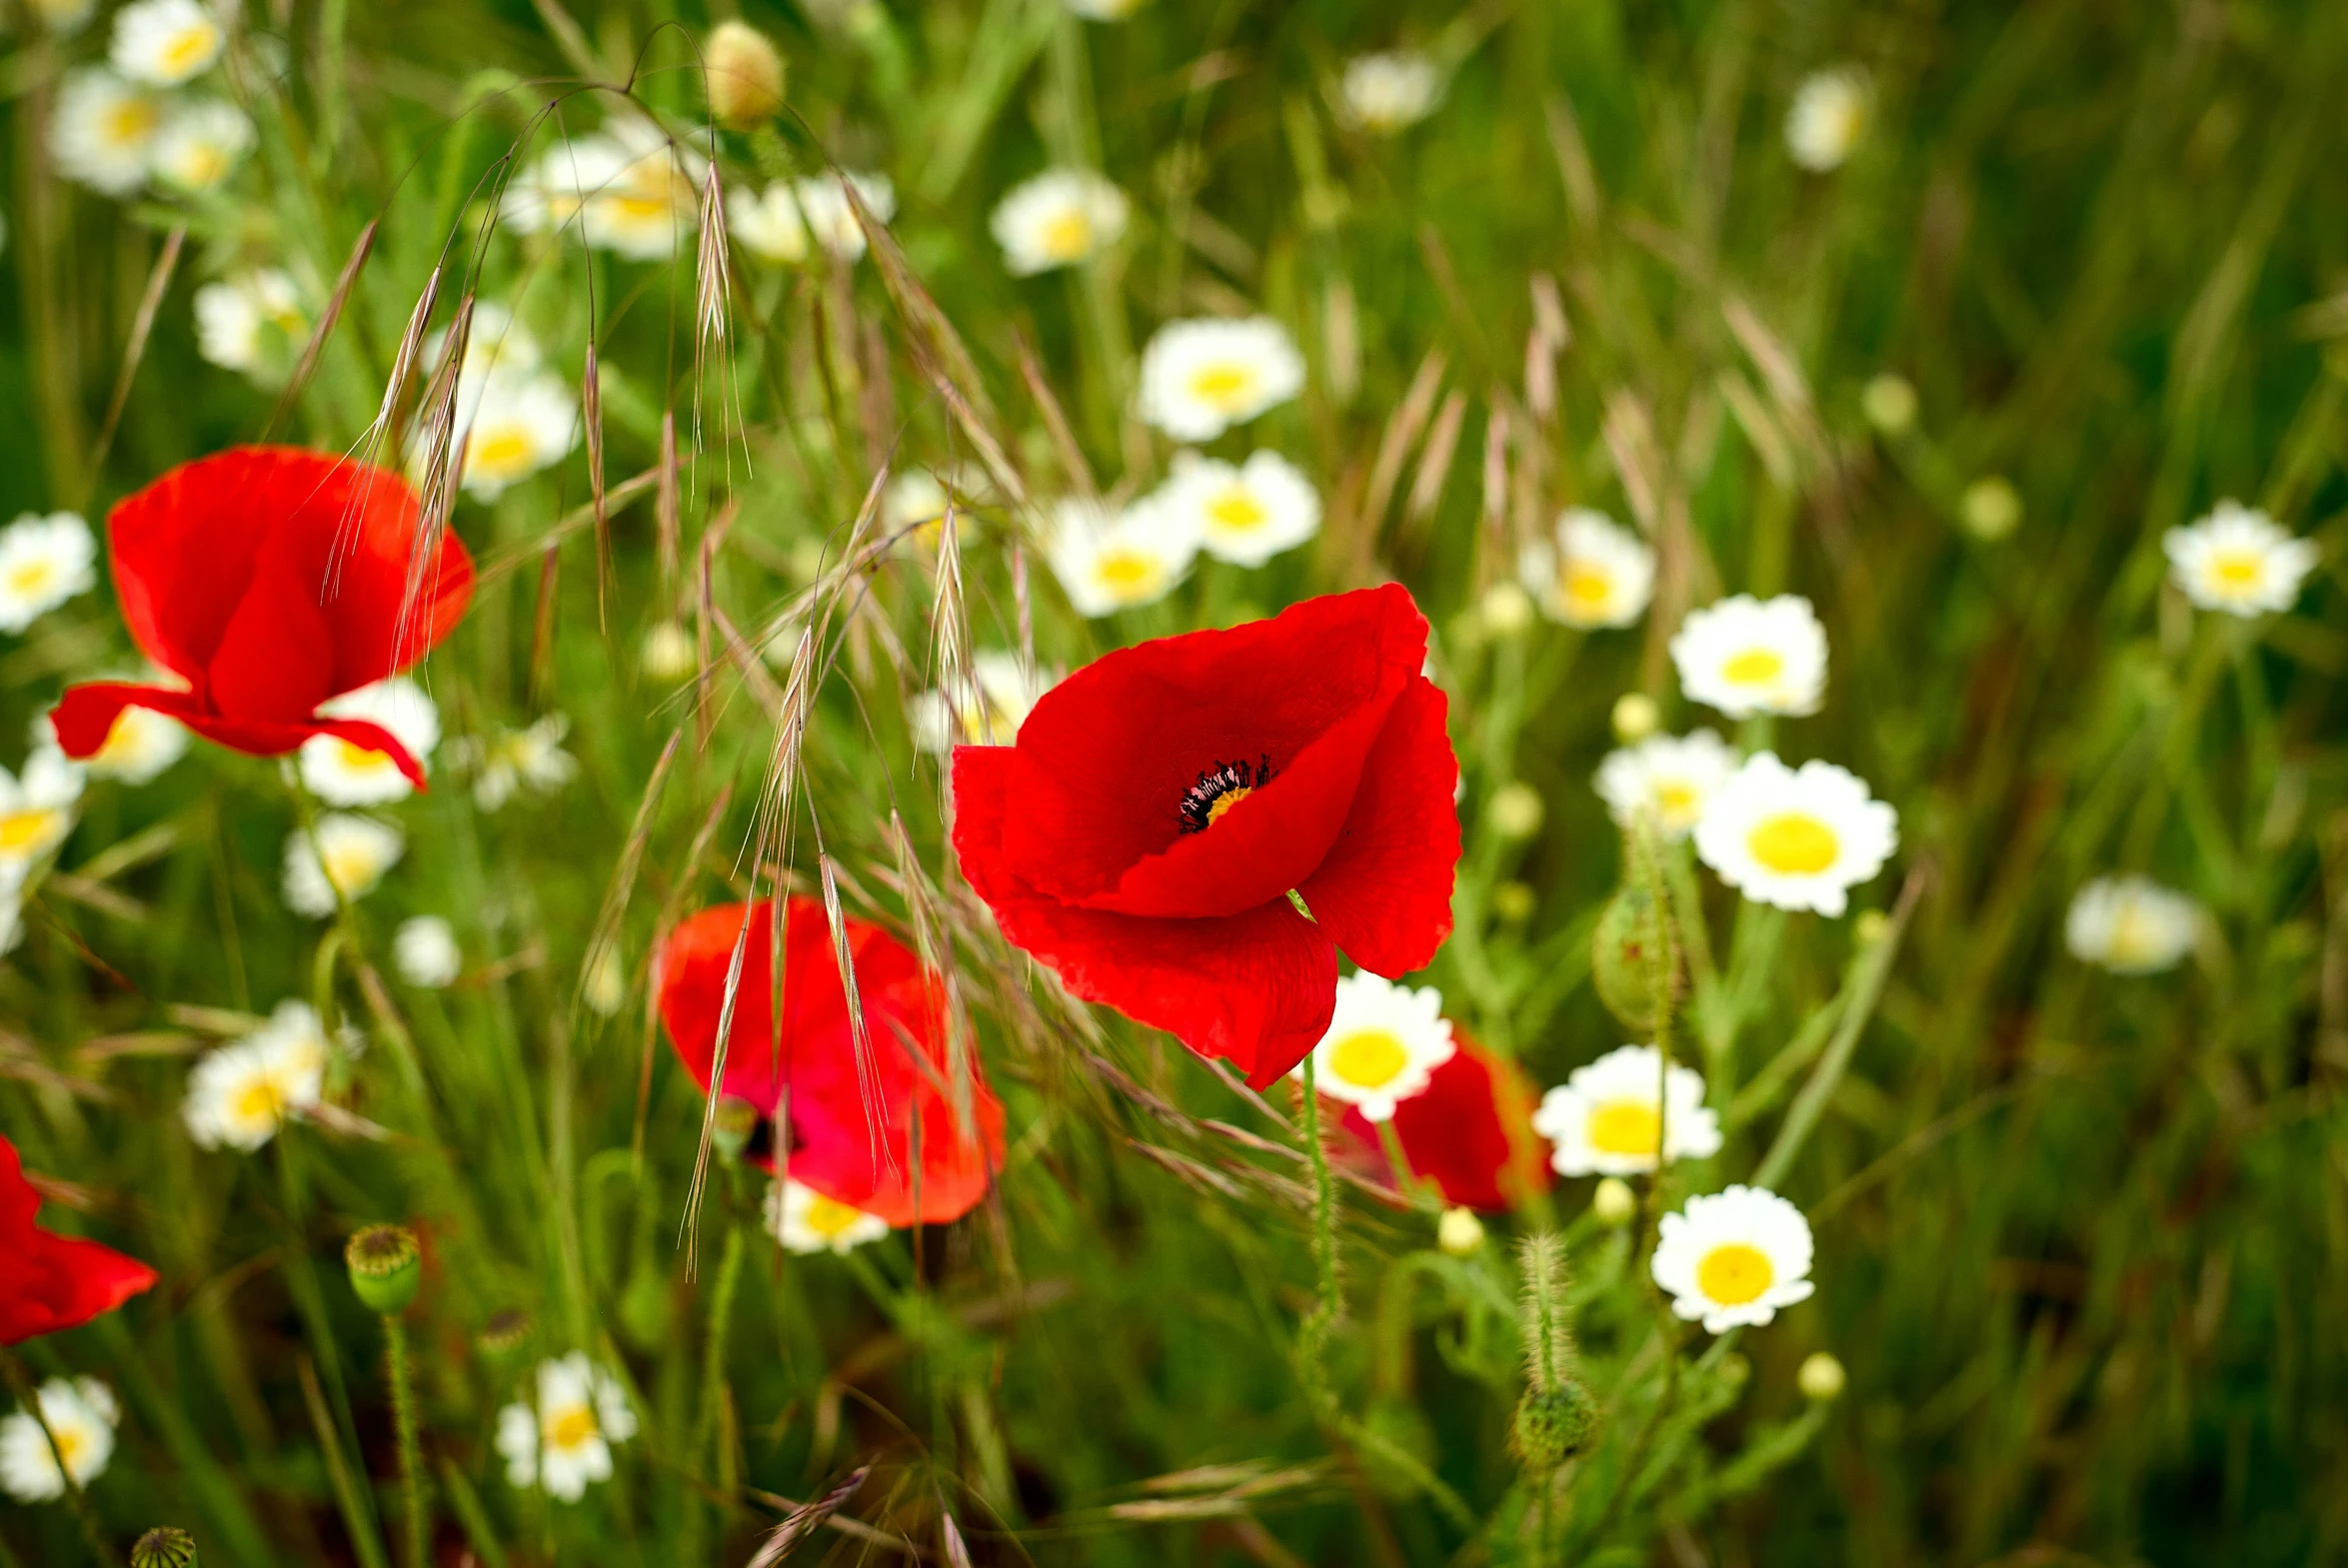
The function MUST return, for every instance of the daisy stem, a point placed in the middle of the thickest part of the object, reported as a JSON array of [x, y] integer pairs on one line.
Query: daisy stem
[[1662, 970], [1404, 1177], [83, 1514], [397, 1373]]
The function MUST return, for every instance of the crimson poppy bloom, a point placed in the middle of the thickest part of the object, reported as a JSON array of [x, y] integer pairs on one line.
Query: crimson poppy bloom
[[1144, 834], [271, 580], [853, 1129], [50, 1282], [1470, 1131]]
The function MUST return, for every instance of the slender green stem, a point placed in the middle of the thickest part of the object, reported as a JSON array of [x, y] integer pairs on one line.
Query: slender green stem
[[78, 1500], [1324, 1201], [398, 1372]]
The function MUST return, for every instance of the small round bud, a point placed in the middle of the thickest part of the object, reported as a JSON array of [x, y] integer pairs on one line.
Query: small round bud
[[1621, 958], [164, 1548], [1506, 609], [1871, 926], [1635, 717], [1517, 810], [1990, 509], [1613, 1202], [1889, 403], [1554, 1424], [1515, 903], [668, 653], [1821, 1377], [506, 1331], [1459, 1232], [607, 983], [386, 1267], [736, 1121], [745, 76]]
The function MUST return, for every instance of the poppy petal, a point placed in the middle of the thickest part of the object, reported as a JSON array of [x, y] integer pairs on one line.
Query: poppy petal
[[49, 1282], [1384, 896], [276, 653], [86, 715], [184, 551]]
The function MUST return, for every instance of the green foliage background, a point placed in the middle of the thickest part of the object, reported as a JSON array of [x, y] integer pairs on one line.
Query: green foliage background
[[2082, 1241]]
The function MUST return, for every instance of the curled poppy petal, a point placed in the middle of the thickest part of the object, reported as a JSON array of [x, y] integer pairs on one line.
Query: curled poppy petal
[[50, 1282], [1470, 1131], [1385, 892], [86, 713]]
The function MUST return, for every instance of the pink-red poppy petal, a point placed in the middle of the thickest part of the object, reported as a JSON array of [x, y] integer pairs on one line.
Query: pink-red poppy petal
[[1383, 895]]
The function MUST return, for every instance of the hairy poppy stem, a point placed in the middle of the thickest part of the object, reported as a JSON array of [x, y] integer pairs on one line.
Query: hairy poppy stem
[[399, 1374]]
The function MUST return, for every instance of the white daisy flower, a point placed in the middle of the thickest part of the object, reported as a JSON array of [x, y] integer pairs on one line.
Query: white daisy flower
[[240, 1094], [1669, 778], [1389, 92], [103, 130], [1611, 1118], [567, 1441], [1202, 376], [2238, 561], [1595, 574], [200, 145], [1107, 563], [1734, 1259], [1246, 512], [425, 953], [2131, 926], [341, 774], [1007, 694], [767, 223], [235, 317], [36, 810], [519, 425], [1384, 1042], [503, 764], [629, 188], [495, 344], [1058, 218], [350, 856], [805, 1220], [82, 1415], [44, 561], [915, 499], [1828, 116], [1796, 840], [824, 204], [166, 42], [1746, 656], [11, 907], [62, 17]]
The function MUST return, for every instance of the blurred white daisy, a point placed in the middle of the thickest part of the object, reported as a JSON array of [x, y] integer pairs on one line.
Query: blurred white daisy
[[44, 561], [1798, 840], [630, 189], [1828, 116], [62, 17], [341, 774], [139, 745], [200, 145], [166, 42], [1107, 564], [1383, 1043], [504, 762], [1595, 573], [1388, 91], [1734, 1259], [82, 1415], [767, 223], [1058, 218], [252, 322], [349, 857], [1246, 512], [36, 808], [805, 1220], [1106, 10], [915, 499], [519, 425], [2238, 561], [1670, 777], [425, 953], [2131, 926], [103, 130], [1007, 694], [496, 344], [240, 1094], [566, 1442], [11, 907], [824, 204], [1202, 376], [1613, 1117], [1746, 656], [668, 653]]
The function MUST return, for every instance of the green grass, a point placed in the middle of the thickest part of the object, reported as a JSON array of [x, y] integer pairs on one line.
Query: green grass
[[2082, 1241]]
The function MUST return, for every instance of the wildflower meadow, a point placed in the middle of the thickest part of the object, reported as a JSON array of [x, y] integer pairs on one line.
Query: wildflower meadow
[[1110, 781]]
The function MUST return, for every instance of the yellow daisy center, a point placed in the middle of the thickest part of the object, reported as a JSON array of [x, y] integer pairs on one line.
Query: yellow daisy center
[[205, 167], [357, 759], [23, 831], [1125, 571], [259, 1101], [568, 1428], [130, 122], [70, 1443], [1589, 588], [2132, 936], [1368, 1058], [831, 1218], [1066, 236], [1754, 667], [121, 739], [348, 868], [1674, 799], [31, 576], [190, 49], [1793, 843], [1238, 512], [1225, 386], [1627, 1126], [502, 451], [2237, 568], [1735, 1273]]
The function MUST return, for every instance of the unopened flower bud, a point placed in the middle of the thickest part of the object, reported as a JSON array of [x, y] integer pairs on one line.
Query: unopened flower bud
[[1554, 1424], [1871, 927], [1514, 902], [1613, 1202], [737, 1121], [1517, 810], [386, 1267], [1821, 1377], [1990, 509], [745, 76], [505, 1332], [668, 653], [1506, 609], [1635, 717], [1459, 1232], [1889, 403], [164, 1548], [1621, 958], [607, 982]]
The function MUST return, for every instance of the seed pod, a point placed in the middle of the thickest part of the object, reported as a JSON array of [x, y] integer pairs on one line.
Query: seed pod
[[506, 1331], [164, 1547], [1619, 958], [386, 1267], [1554, 1424]]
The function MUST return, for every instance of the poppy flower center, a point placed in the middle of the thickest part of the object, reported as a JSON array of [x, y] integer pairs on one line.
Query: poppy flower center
[[567, 1429], [1735, 1273], [1225, 386], [2236, 569], [831, 1218], [1753, 667], [1625, 1127], [1368, 1058], [1793, 845], [1237, 511], [1067, 236], [1219, 789]]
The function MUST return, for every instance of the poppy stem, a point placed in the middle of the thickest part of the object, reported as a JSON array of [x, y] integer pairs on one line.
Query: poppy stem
[[83, 1515], [399, 1374], [1325, 1202]]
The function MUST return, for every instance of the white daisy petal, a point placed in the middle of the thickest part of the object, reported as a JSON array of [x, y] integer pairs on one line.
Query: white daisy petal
[[425, 951], [202, 144], [342, 774], [767, 223], [240, 1094], [102, 133], [2131, 926], [1828, 116], [1734, 1259], [831, 218], [166, 42], [81, 1414], [1200, 378], [1109, 563], [806, 1221], [36, 811], [2238, 561], [252, 322], [1244, 513], [349, 857], [44, 561], [566, 1441], [1058, 218], [1389, 92], [1383, 1043], [1745, 656], [1670, 778], [1007, 694], [1611, 1118], [1798, 840], [1597, 574]]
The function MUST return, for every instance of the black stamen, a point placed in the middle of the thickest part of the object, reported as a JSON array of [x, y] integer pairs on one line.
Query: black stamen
[[1199, 800]]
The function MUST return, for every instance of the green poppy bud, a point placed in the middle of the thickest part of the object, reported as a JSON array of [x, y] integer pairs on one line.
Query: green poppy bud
[[1553, 1426], [1619, 958], [386, 1267]]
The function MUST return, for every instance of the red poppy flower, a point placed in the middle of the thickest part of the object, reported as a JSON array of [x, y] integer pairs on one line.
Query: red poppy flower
[[271, 580], [1143, 833], [1470, 1131], [854, 1127], [50, 1282]]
